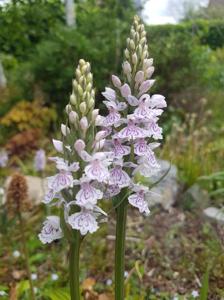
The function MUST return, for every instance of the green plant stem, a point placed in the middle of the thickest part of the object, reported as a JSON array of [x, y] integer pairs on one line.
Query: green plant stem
[[121, 217], [74, 266], [26, 255]]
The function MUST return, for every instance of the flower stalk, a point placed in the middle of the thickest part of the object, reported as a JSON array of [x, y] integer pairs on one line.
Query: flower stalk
[[17, 203], [121, 217], [26, 255], [74, 252]]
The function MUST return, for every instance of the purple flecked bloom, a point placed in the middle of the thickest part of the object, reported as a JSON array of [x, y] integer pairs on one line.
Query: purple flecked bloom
[[88, 195], [138, 198], [40, 160], [84, 221], [3, 158], [119, 177], [120, 150], [51, 230]]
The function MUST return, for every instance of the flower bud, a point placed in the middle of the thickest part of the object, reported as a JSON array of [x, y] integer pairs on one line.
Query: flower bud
[[82, 62], [148, 62], [89, 77], [80, 90], [82, 107], [64, 129], [126, 53], [125, 90], [73, 117], [84, 69], [91, 102], [79, 145], [78, 73], [137, 37], [84, 124], [58, 145], [89, 87], [126, 67], [68, 108], [143, 41], [144, 54], [145, 86], [93, 94], [132, 33], [81, 81], [75, 84], [73, 99], [134, 58], [150, 71], [116, 81], [139, 77], [140, 50], [132, 44]]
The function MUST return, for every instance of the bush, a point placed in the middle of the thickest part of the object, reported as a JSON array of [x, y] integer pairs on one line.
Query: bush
[[27, 115], [209, 32], [25, 23]]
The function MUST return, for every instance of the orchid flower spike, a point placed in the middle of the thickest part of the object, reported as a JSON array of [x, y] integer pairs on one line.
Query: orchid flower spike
[[80, 164], [132, 120]]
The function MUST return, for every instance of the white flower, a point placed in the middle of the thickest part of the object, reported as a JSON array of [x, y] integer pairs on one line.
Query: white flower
[[51, 230], [54, 277], [119, 177], [97, 169], [83, 221], [62, 165], [3, 293], [34, 276], [138, 199], [88, 195], [16, 254], [109, 94], [109, 282], [195, 294]]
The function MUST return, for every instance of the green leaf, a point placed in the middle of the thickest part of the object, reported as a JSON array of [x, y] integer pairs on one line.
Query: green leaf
[[57, 294], [205, 286], [22, 287]]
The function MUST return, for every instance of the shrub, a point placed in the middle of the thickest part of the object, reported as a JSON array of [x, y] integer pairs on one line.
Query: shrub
[[25, 23], [26, 115]]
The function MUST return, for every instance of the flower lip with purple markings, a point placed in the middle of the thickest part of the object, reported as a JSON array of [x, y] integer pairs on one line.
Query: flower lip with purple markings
[[51, 230], [83, 221]]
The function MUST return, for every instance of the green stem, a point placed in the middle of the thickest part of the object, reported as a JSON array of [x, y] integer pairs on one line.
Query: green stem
[[26, 255], [74, 266], [121, 217]]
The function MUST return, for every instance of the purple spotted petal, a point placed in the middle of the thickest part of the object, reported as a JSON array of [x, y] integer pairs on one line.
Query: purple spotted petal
[[138, 200], [83, 221]]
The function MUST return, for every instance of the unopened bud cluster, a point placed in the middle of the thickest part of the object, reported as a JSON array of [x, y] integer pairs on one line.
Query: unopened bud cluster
[[82, 100], [136, 55]]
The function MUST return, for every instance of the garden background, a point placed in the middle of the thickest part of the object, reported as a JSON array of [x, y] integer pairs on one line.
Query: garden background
[[179, 248]]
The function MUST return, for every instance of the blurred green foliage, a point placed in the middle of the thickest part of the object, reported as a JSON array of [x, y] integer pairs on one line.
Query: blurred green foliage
[[25, 23]]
